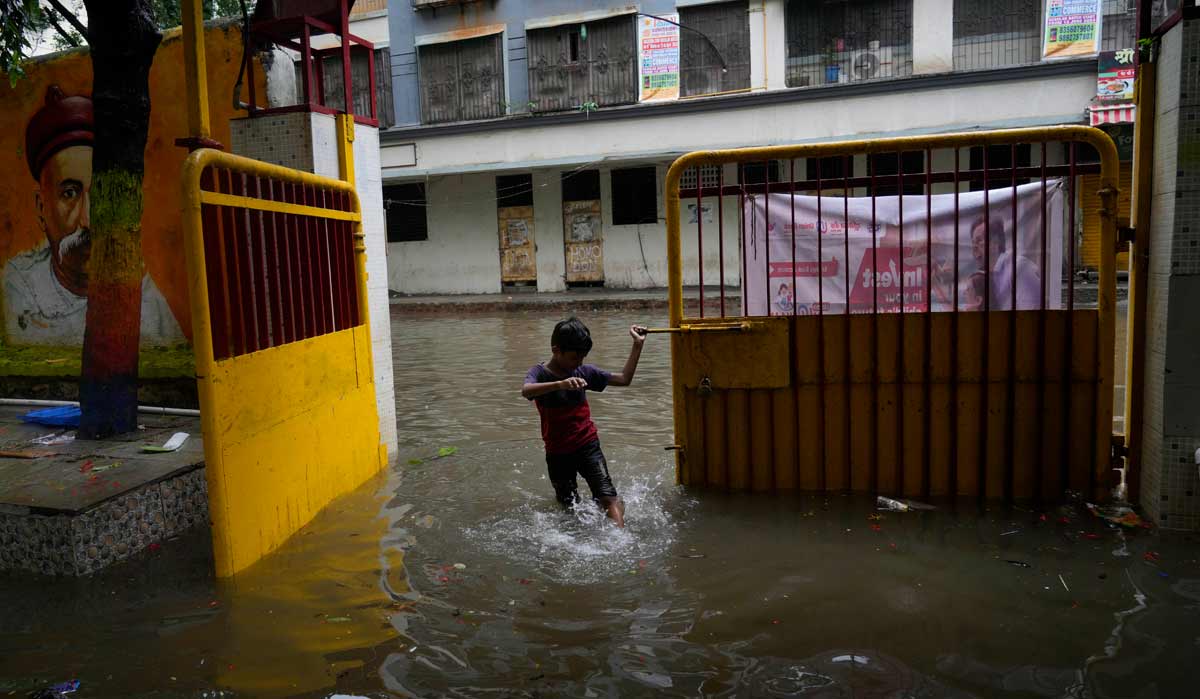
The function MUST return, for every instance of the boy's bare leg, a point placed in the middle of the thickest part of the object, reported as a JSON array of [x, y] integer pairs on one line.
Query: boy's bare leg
[[615, 509]]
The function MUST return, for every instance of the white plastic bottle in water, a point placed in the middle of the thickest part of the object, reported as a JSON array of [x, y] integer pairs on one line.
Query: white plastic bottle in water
[[891, 505]]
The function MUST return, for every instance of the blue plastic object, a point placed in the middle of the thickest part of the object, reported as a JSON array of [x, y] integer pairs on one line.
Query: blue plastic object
[[66, 416]]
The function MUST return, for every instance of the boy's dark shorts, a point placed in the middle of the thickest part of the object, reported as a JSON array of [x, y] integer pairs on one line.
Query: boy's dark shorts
[[588, 462]]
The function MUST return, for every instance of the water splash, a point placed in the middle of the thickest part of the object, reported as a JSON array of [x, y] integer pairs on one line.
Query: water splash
[[581, 545]]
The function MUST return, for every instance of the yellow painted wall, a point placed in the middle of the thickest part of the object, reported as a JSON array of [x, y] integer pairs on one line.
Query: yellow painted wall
[[162, 235]]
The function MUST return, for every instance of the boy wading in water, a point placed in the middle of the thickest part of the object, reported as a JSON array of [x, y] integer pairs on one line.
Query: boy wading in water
[[558, 389]]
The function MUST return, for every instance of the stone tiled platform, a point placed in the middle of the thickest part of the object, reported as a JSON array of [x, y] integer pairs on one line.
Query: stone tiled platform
[[72, 512]]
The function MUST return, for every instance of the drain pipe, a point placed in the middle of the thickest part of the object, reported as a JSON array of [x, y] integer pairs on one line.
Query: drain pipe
[[152, 409]]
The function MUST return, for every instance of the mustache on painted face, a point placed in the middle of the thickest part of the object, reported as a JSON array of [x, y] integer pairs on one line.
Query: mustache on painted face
[[75, 243]]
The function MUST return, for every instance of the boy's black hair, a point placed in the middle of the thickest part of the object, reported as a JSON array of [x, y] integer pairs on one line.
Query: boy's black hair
[[571, 335]]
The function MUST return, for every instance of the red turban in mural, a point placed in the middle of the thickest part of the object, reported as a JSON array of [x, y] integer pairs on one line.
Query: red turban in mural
[[62, 122]]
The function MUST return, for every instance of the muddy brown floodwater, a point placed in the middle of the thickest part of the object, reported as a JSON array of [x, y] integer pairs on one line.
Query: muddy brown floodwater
[[459, 577]]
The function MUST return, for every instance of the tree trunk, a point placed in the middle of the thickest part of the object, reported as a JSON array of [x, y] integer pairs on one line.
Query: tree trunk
[[123, 39]]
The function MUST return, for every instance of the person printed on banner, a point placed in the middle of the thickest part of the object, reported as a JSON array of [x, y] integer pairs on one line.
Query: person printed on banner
[[784, 303], [992, 240]]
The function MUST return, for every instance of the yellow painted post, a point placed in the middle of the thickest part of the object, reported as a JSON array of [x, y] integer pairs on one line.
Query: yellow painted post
[[1139, 269], [1107, 306], [195, 69], [675, 316]]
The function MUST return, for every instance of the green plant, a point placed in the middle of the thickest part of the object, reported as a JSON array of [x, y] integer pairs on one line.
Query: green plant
[[588, 107]]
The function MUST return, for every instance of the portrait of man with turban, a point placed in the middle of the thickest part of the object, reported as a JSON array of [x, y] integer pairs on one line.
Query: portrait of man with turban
[[45, 289]]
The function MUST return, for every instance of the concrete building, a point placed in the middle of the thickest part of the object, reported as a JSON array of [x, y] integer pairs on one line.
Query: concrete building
[[528, 151]]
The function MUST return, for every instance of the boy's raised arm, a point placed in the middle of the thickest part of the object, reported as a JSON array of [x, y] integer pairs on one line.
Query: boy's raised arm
[[625, 376], [571, 383]]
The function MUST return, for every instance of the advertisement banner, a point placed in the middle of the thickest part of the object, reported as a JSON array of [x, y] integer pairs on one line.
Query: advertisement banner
[[845, 272], [1072, 28], [658, 59], [1115, 76]]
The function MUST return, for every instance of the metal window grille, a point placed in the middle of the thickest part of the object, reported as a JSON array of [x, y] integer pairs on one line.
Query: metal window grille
[[710, 176], [405, 208], [996, 33], [462, 80], [841, 41], [331, 80], [702, 70], [570, 68], [1118, 28]]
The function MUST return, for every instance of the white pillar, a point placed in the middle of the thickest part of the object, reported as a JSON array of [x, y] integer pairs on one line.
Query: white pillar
[[933, 36]]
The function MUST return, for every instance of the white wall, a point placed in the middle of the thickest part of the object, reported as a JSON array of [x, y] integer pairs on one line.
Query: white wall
[[1051, 100], [461, 255]]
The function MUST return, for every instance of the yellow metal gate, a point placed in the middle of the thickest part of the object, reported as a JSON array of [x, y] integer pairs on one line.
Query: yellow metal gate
[[917, 337], [283, 352]]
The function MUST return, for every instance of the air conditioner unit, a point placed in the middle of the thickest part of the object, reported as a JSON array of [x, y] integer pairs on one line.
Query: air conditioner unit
[[872, 62]]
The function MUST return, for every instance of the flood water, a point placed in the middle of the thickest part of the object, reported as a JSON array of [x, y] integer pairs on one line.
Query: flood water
[[459, 576]]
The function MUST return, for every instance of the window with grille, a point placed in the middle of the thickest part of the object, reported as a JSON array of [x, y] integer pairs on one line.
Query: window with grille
[[331, 81], [462, 80], [885, 168], [996, 33], [841, 41], [722, 65], [634, 196], [405, 205], [573, 65], [1118, 28], [710, 176]]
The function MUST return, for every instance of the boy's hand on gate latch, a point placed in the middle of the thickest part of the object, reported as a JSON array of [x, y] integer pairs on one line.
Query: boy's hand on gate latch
[[638, 333], [574, 383]]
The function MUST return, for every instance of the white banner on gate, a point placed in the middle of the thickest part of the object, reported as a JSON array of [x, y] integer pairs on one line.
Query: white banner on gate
[[851, 272]]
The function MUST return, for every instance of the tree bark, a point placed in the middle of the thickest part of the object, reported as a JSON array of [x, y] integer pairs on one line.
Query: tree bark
[[123, 39]]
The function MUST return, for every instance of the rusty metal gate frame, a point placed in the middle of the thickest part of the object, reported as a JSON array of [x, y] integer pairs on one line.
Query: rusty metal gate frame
[[685, 339]]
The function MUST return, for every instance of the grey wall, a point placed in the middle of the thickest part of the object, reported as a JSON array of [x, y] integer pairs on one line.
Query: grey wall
[[405, 24]]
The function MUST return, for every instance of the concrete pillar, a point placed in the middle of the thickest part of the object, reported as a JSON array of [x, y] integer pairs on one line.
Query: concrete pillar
[[933, 36], [1170, 487], [308, 141], [768, 45]]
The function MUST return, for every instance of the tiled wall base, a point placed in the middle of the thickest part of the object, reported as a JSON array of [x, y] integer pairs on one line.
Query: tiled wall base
[[116, 529]]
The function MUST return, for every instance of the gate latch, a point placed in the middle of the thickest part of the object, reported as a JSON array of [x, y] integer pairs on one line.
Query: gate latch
[[1126, 234]]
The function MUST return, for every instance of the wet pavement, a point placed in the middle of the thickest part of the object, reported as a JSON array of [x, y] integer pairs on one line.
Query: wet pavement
[[457, 576]]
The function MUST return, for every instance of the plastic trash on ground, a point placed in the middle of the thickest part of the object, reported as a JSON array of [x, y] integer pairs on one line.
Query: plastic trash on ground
[[894, 505], [66, 416], [1117, 514], [171, 444]]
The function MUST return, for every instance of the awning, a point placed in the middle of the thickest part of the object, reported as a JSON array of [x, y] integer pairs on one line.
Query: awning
[[1111, 114]]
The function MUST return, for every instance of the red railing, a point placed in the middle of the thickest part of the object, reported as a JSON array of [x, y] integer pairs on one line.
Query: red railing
[[276, 276]]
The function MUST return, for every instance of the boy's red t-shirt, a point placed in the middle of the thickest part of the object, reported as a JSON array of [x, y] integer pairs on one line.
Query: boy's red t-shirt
[[566, 417]]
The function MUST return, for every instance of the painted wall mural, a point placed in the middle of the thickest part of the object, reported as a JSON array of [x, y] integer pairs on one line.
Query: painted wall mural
[[46, 156]]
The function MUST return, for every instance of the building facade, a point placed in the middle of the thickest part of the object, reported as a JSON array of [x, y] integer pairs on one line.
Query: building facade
[[531, 139]]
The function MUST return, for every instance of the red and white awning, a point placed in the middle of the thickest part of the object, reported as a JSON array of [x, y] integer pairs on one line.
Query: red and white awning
[[1111, 114]]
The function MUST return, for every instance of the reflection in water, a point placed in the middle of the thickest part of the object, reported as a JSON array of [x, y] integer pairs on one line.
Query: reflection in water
[[468, 581]]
